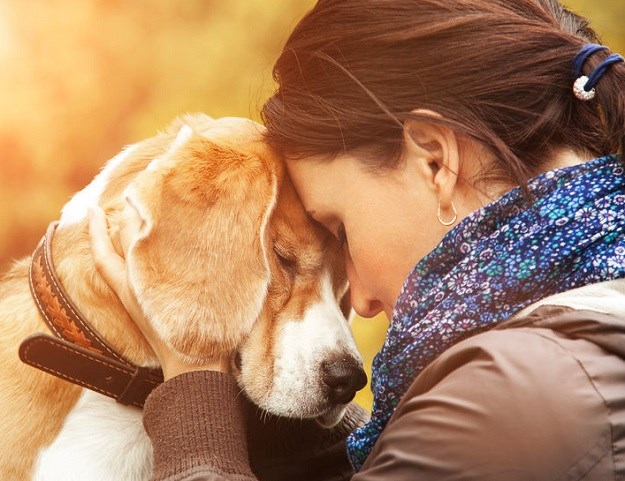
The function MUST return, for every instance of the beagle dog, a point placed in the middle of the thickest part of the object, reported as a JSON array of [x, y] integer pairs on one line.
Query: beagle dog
[[222, 258]]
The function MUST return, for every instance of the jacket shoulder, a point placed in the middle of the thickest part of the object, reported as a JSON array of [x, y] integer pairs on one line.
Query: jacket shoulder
[[509, 404]]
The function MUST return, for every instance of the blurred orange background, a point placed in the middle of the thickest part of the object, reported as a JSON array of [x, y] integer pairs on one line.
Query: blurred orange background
[[79, 79]]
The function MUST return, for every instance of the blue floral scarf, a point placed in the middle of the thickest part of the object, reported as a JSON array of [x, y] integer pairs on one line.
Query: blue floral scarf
[[494, 263]]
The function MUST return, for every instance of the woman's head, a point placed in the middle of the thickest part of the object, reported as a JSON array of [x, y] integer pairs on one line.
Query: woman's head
[[355, 74], [498, 71]]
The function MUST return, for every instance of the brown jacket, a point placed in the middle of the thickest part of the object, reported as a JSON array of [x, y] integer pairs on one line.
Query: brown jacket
[[540, 397]]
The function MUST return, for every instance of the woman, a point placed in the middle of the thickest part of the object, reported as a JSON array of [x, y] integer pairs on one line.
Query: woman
[[465, 152]]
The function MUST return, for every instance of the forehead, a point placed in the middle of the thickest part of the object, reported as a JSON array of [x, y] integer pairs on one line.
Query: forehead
[[313, 177], [321, 182]]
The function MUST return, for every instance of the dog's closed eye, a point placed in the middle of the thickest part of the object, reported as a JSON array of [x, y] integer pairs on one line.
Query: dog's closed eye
[[286, 258]]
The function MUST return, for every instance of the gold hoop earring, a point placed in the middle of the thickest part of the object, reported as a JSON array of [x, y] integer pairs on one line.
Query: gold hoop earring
[[447, 223]]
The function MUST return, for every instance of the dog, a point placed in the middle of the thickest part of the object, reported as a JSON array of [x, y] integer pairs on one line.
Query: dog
[[223, 258]]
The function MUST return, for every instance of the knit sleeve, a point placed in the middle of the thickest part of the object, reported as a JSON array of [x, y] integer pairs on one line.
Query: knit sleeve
[[204, 429], [196, 422]]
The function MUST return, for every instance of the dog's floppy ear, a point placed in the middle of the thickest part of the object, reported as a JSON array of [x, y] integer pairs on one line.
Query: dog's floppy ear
[[197, 262]]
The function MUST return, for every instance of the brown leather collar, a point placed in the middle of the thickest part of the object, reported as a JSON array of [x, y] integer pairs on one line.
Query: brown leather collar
[[78, 354]]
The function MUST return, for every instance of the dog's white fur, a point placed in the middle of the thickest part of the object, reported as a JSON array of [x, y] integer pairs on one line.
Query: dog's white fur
[[75, 210], [310, 338], [99, 440], [229, 190]]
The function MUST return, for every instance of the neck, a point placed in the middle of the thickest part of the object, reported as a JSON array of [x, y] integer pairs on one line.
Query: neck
[[566, 157], [474, 195]]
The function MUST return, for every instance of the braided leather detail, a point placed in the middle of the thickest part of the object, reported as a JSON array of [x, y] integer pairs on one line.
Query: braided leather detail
[[57, 314]]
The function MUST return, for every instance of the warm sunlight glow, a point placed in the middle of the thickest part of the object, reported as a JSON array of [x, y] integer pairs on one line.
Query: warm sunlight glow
[[80, 79]]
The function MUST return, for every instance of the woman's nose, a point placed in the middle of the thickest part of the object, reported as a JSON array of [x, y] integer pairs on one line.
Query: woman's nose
[[363, 303]]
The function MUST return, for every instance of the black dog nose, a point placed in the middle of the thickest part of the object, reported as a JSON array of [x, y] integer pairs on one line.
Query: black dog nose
[[344, 378]]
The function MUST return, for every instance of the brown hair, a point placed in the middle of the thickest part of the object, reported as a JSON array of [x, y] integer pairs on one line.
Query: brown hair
[[498, 71]]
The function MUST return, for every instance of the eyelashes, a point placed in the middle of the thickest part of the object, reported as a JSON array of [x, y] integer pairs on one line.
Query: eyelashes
[[288, 263], [340, 231], [341, 236]]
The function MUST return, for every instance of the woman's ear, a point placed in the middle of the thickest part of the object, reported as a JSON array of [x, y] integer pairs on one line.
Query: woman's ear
[[434, 147]]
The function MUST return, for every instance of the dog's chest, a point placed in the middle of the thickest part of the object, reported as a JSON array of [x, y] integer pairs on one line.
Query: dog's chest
[[99, 441]]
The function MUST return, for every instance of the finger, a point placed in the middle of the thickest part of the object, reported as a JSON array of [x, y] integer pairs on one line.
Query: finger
[[110, 265]]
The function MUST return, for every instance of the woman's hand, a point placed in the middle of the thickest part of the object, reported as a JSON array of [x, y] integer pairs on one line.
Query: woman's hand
[[112, 267]]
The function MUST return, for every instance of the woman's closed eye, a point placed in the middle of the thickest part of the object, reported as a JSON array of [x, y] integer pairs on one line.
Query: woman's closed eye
[[334, 227]]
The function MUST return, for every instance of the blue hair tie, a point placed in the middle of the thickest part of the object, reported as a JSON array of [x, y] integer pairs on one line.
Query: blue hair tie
[[582, 55], [584, 87], [600, 70]]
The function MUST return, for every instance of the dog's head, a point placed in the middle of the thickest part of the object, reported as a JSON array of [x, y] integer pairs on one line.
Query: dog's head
[[223, 259]]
